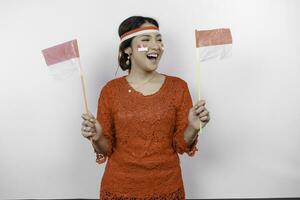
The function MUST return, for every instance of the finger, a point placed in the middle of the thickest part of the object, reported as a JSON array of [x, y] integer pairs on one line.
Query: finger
[[92, 120], [91, 124], [91, 116], [87, 134], [204, 119], [204, 113], [88, 116], [85, 116], [200, 109], [88, 123], [85, 129], [200, 103], [90, 129]]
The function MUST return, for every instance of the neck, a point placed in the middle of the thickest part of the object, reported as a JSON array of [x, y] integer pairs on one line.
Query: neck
[[139, 75]]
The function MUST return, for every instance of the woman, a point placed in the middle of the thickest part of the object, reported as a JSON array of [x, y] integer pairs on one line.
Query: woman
[[144, 120]]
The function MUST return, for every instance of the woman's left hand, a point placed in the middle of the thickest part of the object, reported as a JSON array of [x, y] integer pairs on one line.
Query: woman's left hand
[[198, 113]]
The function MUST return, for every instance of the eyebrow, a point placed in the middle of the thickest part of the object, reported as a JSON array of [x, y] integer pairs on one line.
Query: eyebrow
[[158, 35]]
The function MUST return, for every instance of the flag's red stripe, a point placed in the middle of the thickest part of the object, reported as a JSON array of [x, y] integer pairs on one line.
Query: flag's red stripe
[[213, 37], [61, 52]]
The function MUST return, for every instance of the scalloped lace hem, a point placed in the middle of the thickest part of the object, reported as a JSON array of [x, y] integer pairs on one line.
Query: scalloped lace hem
[[176, 195]]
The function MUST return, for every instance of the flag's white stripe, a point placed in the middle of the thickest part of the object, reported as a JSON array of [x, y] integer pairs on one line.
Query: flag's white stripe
[[214, 52], [65, 69], [142, 48]]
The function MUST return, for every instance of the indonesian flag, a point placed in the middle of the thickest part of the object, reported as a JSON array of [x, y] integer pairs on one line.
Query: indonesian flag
[[213, 44], [63, 59], [142, 47]]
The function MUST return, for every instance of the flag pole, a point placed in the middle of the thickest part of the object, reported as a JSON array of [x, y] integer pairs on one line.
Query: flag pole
[[84, 92], [198, 73], [83, 88]]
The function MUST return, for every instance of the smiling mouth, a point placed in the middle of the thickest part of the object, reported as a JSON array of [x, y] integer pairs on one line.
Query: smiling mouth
[[152, 57]]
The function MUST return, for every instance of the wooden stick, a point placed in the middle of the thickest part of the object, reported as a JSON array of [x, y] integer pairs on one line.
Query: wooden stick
[[198, 77], [84, 92], [83, 88]]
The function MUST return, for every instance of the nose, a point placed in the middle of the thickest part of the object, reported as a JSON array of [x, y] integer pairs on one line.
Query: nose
[[156, 45]]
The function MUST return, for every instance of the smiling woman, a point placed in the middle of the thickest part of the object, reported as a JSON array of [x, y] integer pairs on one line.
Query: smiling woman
[[143, 121], [139, 32]]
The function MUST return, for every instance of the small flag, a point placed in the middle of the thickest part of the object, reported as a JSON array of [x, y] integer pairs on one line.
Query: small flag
[[142, 47], [62, 60], [213, 44]]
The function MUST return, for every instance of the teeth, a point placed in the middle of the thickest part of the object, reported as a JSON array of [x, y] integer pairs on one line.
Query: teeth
[[153, 55]]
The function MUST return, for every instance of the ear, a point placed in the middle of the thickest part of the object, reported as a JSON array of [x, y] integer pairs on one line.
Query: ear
[[128, 50]]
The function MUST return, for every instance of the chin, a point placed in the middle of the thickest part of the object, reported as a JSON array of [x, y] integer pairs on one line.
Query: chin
[[151, 68]]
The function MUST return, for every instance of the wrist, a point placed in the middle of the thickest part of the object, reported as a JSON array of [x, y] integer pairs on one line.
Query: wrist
[[191, 127], [95, 138]]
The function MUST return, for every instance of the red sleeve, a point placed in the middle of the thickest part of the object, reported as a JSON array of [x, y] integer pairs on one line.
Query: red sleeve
[[182, 111], [105, 118]]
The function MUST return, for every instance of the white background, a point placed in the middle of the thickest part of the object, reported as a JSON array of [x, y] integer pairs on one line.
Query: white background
[[250, 148]]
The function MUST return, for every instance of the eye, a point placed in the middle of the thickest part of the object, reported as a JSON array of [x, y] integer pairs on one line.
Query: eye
[[145, 40]]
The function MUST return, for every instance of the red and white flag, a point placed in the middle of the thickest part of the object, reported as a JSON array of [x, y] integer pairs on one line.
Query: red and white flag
[[213, 44], [62, 59], [142, 47]]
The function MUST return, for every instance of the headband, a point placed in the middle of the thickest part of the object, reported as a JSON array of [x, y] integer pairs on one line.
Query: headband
[[138, 31]]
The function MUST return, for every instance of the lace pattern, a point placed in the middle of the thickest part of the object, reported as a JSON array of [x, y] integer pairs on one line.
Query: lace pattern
[[176, 195], [145, 134]]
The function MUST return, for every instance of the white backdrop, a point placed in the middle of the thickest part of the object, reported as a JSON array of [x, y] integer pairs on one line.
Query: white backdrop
[[250, 148]]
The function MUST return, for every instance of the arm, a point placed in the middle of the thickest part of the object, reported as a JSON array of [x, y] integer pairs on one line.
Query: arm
[[100, 143], [104, 143], [190, 135], [185, 136]]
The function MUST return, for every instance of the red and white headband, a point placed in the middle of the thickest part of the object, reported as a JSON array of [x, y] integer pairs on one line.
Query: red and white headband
[[138, 31]]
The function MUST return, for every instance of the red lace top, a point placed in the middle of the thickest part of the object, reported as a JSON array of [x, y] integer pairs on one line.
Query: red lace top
[[145, 135]]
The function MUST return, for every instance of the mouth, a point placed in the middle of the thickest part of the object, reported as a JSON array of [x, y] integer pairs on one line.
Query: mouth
[[153, 57]]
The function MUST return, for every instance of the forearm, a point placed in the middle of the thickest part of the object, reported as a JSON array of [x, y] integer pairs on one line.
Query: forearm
[[101, 144], [190, 135]]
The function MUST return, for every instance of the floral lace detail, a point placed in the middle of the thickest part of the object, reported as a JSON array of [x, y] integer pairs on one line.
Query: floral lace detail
[[176, 195], [100, 158]]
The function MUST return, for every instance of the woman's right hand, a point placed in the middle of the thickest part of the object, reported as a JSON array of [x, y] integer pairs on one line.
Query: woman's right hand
[[91, 128]]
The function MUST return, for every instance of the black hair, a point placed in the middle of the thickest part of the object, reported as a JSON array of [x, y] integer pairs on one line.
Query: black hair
[[129, 24]]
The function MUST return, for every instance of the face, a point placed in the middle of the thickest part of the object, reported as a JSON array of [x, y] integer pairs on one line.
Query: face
[[146, 50]]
